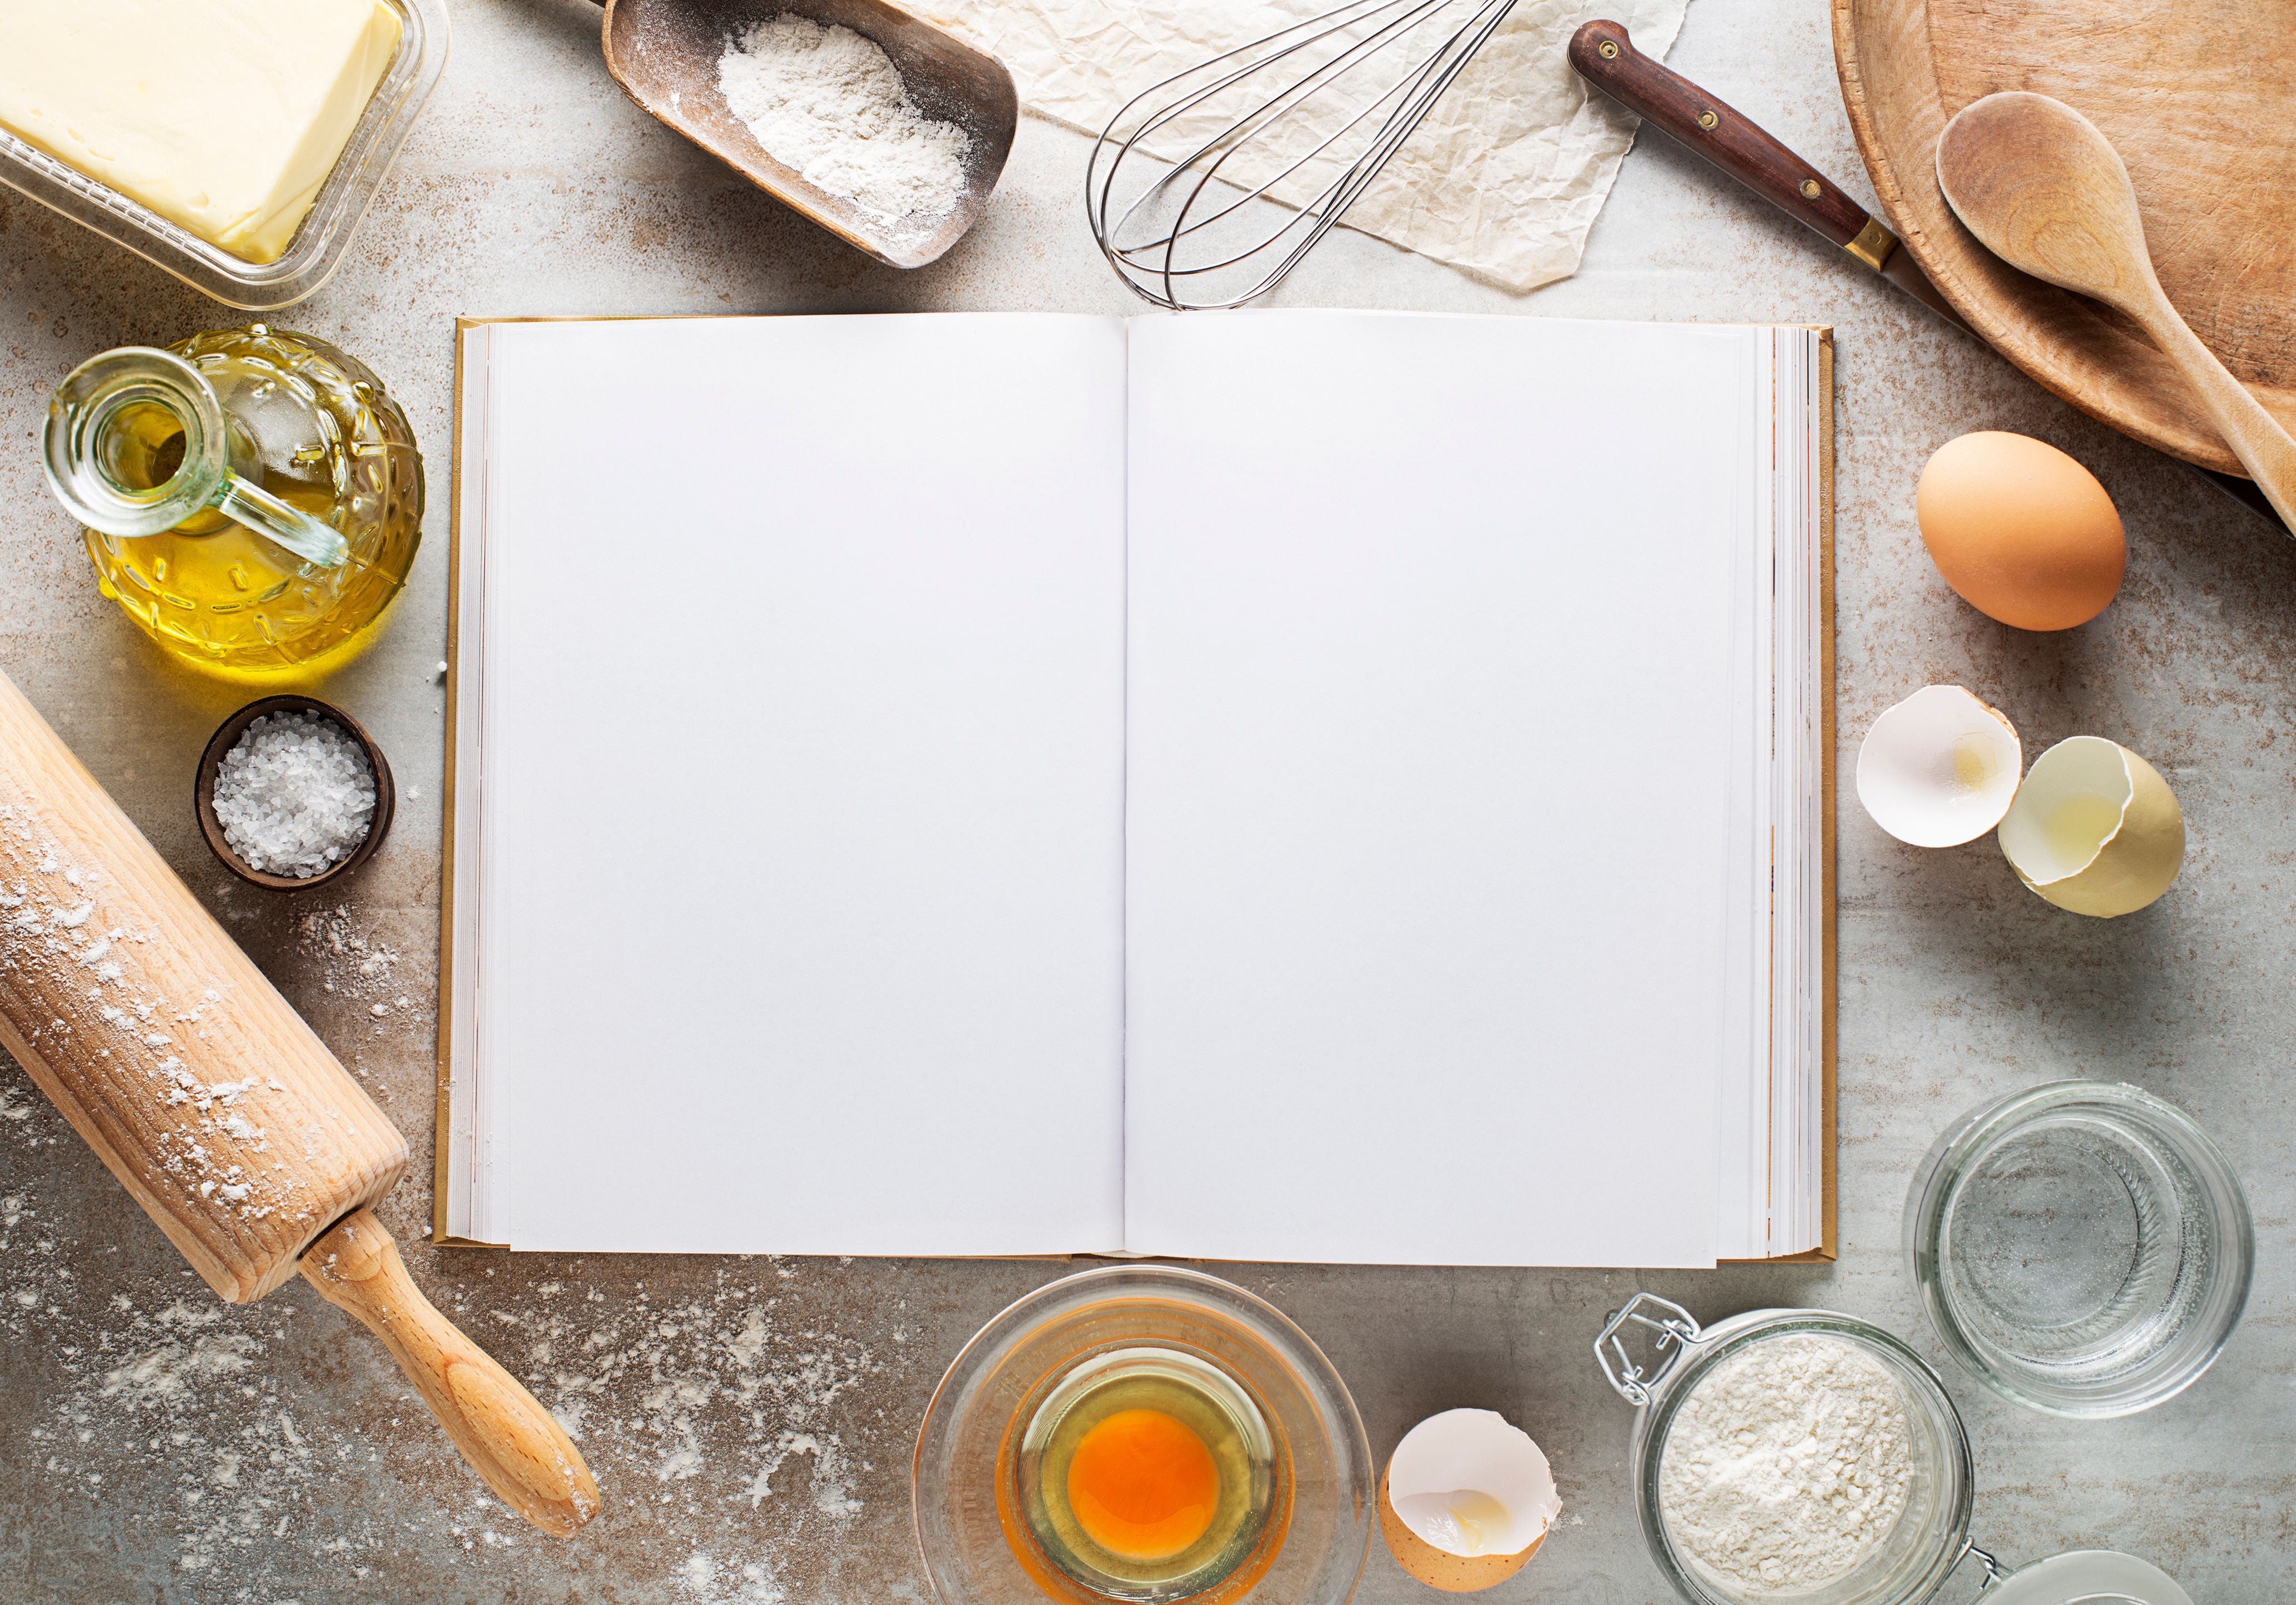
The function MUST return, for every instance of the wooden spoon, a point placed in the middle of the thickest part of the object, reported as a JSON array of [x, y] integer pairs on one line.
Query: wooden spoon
[[2047, 193]]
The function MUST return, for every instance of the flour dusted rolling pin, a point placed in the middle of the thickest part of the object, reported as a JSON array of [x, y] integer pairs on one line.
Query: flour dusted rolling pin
[[218, 1108]]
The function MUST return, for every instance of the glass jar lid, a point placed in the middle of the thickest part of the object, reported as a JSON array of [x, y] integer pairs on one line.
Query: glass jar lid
[[2088, 1577]]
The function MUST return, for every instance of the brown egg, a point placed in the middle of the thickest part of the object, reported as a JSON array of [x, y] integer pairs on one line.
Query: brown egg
[[2023, 533]]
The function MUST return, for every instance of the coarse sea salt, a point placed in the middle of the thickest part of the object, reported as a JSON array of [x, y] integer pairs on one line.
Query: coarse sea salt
[[294, 795]]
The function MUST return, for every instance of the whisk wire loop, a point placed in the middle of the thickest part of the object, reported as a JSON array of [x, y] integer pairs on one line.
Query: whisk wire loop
[[1279, 137]]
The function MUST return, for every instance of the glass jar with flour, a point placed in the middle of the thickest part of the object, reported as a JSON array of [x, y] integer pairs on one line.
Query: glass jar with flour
[[1807, 1455]]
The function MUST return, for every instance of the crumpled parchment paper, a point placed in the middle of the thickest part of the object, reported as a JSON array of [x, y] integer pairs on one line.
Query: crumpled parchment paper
[[1503, 178]]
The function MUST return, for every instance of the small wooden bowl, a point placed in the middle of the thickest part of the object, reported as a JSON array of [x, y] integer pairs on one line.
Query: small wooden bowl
[[227, 737], [664, 55]]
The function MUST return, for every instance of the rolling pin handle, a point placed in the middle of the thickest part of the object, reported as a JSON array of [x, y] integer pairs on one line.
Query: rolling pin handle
[[510, 1440]]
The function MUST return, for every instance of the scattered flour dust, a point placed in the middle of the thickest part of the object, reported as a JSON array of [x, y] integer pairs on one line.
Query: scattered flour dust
[[709, 1581], [830, 105], [1788, 1466], [181, 1363], [735, 1418], [730, 1421], [348, 960], [359, 967]]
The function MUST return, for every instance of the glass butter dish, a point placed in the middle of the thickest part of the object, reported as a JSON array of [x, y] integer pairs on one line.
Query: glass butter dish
[[325, 231]]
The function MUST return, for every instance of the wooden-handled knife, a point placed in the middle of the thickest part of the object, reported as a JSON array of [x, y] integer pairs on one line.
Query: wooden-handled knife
[[1708, 128]]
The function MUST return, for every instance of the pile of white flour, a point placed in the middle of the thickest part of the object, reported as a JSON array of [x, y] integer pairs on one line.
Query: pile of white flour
[[1788, 1466], [831, 104]]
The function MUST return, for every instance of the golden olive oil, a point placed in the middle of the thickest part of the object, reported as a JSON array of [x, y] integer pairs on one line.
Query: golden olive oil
[[328, 441]]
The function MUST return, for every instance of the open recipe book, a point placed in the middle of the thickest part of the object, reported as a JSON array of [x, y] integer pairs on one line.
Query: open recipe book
[[1270, 786]]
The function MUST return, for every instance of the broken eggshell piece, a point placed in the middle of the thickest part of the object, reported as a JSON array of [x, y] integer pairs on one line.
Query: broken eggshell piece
[[1939, 768], [1469, 1487], [2094, 829]]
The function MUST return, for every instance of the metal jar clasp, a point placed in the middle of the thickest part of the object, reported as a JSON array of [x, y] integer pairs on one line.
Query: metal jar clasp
[[1675, 1328]]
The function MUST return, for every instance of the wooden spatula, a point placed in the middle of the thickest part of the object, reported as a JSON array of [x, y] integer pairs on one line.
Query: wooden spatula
[[2047, 193]]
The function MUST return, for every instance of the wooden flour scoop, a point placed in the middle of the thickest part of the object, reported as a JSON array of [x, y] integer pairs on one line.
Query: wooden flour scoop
[[664, 55], [216, 1107]]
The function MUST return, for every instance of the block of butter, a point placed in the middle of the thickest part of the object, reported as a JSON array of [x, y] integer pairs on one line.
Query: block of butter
[[223, 115]]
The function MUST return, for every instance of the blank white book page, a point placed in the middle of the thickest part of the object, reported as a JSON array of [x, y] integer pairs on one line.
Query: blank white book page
[[1429, 791], [800, 917]]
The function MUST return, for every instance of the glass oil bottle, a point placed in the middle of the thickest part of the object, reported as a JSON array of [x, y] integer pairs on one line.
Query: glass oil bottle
[[252, 499]]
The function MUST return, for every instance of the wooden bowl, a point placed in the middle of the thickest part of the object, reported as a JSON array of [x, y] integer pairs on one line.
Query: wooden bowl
[[2194, 97], [227, 737], [664, 55]]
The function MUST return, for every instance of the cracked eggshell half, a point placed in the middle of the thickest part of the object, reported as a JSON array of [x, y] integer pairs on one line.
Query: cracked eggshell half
[[2094, 829], [1939, 768], [1467, 1500]]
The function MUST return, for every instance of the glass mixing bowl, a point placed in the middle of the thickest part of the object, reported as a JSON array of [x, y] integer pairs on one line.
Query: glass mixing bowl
[[1931, 1536], [966, 1483], [2083, 1247]]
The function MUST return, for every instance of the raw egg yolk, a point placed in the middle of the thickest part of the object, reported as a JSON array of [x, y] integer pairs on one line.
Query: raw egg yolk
[[1143, 1485]]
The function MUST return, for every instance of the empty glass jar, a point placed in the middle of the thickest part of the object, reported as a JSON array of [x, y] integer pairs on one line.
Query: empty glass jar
[[2083, 1247]]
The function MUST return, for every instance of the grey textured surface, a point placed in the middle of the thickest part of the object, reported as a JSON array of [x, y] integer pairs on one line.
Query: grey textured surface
[[750, 1420]]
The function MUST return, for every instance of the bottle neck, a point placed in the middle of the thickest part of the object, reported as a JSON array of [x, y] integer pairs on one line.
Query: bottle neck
[[138, 444]]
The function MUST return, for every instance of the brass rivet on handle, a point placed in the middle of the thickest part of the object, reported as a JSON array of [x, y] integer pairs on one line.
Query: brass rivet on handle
[[1608, 50], [1709, 121], [1809, 189]]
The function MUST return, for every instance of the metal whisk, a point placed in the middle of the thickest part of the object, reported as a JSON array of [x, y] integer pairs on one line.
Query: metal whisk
[[1206, 190]]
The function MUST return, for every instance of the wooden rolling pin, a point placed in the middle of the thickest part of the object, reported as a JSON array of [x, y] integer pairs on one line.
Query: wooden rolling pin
[[216, 1107]]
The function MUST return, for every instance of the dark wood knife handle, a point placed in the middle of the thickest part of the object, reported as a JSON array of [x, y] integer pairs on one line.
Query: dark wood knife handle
[[1607, 59]]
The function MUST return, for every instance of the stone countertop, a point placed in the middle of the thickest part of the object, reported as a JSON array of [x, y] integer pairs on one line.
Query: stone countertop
[[751, 1420]]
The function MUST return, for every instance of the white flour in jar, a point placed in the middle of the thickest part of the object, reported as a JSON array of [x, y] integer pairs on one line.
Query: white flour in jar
[[1788, 1466]]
